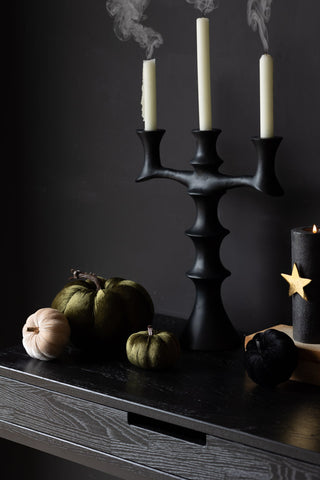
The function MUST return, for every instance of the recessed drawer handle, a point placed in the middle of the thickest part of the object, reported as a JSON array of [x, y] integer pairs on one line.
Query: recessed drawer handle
[[159, 426]]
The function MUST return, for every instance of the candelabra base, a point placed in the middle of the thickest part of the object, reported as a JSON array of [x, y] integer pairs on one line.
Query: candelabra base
[[209, 327]]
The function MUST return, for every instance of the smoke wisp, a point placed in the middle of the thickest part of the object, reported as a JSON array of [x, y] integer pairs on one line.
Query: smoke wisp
[[205, 6], [128, 17], [258, 14]]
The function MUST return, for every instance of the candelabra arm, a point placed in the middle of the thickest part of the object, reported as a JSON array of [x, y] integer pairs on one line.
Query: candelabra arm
[[228, 181], [264, 179], [181, 176], [152, 167]]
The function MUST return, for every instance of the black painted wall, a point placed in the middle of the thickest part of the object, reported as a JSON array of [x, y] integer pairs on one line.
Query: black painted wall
[[72, 97]]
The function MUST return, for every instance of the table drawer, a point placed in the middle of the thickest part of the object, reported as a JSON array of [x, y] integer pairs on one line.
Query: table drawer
[[157, 444]]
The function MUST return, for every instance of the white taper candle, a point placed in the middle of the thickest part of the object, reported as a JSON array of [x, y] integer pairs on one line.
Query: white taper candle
[[149, 95], [266, 96], [204, 80]]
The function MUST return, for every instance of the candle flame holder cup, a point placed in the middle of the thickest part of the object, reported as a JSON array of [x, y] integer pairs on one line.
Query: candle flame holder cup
[[209, 327]]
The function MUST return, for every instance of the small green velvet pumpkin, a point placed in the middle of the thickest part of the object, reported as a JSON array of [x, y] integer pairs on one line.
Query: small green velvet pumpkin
[[152, 349], [102, 313]]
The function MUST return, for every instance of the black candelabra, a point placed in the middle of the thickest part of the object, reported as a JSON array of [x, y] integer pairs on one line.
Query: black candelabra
[[209, 327]]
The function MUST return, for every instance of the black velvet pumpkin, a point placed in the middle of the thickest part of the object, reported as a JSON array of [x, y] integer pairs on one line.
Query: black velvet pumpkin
[[270, 357]]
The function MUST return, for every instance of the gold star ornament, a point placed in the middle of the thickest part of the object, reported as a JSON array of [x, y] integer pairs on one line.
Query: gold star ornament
[[296, 282]]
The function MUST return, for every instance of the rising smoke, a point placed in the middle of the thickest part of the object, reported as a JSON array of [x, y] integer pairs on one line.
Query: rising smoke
[[128, 17], [258, 14], [205, 6]]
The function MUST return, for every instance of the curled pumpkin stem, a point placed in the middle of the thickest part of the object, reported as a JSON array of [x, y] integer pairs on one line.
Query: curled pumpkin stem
[[33, 329], [86, 276], [150, 330]]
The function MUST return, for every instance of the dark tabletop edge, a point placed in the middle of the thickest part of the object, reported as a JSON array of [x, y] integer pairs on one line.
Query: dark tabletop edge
[[225, 433]]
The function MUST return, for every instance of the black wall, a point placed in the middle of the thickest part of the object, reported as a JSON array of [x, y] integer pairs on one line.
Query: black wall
[[72, 92]]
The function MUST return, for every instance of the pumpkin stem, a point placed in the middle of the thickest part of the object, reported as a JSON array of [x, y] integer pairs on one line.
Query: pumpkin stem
[[33, 329], [86, 276], [150, 330]]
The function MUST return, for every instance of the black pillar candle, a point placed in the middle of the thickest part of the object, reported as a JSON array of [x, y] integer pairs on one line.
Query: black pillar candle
[[305, 251]]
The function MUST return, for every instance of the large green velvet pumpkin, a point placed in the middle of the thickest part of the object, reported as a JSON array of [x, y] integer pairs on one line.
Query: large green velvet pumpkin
[[153, 349], [102, 313]]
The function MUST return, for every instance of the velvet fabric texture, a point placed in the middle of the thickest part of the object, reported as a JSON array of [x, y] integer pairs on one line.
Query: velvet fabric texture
[[152, 349], [270, 357], [101, 319]]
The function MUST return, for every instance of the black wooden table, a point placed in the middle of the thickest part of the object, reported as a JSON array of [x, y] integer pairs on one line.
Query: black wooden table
[[204, 419]]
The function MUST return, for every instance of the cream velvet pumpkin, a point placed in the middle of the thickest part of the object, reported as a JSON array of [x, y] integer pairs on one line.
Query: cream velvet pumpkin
[[45, 334]]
